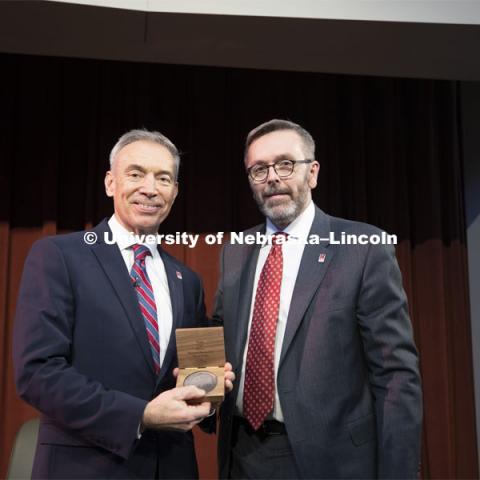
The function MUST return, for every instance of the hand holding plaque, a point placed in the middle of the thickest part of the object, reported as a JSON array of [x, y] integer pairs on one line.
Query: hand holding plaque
[[201, 360]]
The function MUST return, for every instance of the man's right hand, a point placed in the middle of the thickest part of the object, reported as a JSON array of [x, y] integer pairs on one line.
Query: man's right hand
[[170, 410]]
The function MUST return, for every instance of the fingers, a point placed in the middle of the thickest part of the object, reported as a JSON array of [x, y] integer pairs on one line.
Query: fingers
[[202, 410], [196, 413], [189, 393], [189, 414], [175, 372], [171, 409], [229, 377], [194, 408]]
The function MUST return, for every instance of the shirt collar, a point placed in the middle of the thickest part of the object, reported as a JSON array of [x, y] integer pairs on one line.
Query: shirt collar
[[299, 228], [124, 239]]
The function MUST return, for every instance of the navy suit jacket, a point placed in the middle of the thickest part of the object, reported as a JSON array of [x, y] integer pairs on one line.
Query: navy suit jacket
[[82, 358], [348, 377]]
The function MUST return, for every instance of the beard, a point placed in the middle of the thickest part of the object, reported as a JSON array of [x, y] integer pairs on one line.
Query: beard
[[282, 212]]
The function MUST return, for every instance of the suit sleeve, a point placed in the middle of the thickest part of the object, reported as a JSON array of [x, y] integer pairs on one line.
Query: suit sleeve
[[200, 311], [42, 351], [217, 317], [392, 362]]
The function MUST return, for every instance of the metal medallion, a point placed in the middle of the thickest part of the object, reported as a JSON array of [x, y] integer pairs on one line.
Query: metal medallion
[[205, 380]]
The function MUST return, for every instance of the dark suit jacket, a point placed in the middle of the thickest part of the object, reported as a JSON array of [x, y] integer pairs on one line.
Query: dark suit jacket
[[348, 376], [82, 358]]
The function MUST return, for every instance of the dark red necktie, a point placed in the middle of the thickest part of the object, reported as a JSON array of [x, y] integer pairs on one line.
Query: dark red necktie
[[259, 387]]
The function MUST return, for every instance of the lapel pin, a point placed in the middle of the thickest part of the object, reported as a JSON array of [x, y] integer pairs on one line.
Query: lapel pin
[[322, 257], [179, 275]]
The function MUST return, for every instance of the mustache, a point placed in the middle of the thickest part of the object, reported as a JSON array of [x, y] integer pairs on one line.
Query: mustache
[[275, 190]]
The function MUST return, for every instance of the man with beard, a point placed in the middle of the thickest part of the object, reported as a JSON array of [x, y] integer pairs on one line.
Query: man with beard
[[318, 334], [94, 343]]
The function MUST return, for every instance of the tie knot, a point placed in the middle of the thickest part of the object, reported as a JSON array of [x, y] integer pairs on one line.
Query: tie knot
[[279, 238], [140, 252]]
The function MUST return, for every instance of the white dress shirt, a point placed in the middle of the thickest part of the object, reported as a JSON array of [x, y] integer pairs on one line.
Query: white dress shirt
[[298, 232], [156, 274]]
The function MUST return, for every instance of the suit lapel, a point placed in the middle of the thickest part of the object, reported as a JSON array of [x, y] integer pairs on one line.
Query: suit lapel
[[313, 266], [175, 286], [113, 265], [247, 278]]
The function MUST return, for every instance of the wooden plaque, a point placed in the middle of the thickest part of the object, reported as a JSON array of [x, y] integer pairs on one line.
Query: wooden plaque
[[201, 360]]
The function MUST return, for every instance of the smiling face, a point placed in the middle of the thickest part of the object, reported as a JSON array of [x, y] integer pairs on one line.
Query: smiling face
[[143, 186], [282, 200]]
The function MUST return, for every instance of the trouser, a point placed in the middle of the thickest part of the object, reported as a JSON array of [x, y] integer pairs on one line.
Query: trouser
[[263, 454]]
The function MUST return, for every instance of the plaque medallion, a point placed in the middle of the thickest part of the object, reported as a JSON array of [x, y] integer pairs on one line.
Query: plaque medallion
[[205, 380]]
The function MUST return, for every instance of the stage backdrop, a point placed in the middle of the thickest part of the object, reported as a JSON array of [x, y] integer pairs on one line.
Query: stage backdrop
[[389, 152]]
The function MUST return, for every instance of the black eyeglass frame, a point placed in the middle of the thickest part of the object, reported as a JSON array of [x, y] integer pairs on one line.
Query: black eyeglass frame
[[293, 162]]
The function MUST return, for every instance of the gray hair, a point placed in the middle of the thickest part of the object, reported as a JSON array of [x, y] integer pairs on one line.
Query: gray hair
[[148, 136], [276, 125]]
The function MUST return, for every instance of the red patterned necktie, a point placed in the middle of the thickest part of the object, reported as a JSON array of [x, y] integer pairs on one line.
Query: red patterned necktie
[[259, 388], [146, 300]]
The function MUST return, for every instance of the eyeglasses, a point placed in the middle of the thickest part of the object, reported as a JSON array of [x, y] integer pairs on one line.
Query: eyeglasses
[[283, 168]]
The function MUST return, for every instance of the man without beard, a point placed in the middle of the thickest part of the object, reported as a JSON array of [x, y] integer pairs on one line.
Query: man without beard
[[318, 334], [94, 349]]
